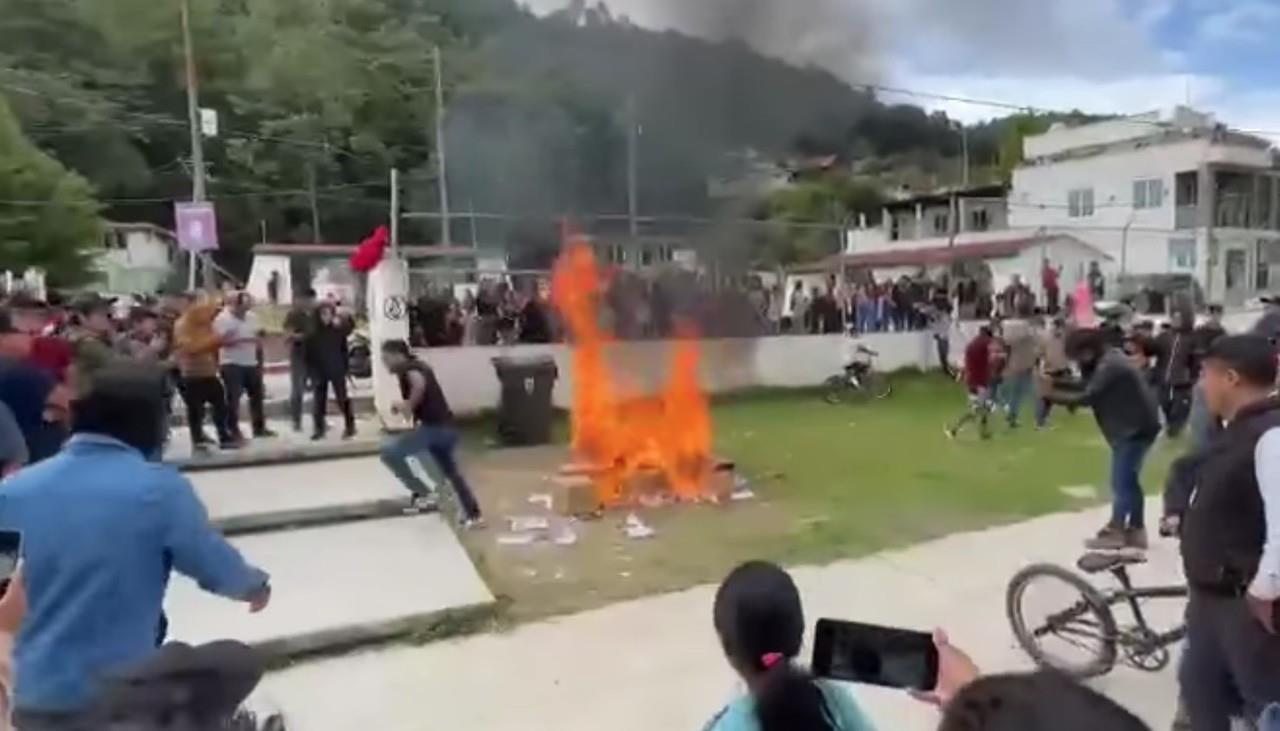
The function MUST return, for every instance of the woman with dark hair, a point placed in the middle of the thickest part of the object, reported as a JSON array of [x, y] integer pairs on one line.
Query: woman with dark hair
[[326, 349], [761, 626]]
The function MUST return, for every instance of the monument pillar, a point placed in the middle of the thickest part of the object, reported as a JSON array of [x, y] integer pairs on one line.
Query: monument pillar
[[387, 296]]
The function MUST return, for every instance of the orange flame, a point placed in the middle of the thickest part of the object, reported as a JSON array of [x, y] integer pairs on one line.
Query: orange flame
[[620, 432]]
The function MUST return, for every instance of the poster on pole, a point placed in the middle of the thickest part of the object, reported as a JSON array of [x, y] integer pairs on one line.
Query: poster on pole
[[197, 226]]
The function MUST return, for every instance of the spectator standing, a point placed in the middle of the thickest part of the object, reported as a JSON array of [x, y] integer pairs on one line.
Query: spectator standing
[[27, 391], [759, 619], [775, 307], [327, 365], [1097, 282], [273, 289], [535, 326], [1129, 420], [941, 326], [424, 405], [1231, 542], [196, 348], [102, 528], [1049, 278], [297, 326], [799, 310], [240, 336], [92, 340]]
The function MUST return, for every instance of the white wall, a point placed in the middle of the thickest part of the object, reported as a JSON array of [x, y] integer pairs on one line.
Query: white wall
[[260, 274], [728, 365]]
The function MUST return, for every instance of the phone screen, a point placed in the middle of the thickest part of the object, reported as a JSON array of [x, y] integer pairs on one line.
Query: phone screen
[[865, 653]]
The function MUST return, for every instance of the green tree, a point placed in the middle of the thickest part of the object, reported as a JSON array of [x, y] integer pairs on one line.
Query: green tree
[[812, 216], [48, 216]]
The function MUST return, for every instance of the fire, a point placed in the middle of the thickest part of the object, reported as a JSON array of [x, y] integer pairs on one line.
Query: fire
[[613, 427]]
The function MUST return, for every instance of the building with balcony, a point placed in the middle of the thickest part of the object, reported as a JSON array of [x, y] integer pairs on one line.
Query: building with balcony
[[1159, 193]]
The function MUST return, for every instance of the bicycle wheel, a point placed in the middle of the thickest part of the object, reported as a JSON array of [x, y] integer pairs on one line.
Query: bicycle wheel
[[835, 389], [877, 385], [1077, 637]]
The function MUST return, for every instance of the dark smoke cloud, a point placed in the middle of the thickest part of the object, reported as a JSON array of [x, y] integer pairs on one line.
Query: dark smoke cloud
[[836, 35]]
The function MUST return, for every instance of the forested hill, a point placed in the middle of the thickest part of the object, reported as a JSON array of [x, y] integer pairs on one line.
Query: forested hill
[[319, 99]]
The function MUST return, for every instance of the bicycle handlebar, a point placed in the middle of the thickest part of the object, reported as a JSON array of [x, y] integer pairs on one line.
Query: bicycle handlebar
[[867, 351]]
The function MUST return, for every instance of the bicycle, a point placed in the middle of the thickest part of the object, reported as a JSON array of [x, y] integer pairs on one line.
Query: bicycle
[[1090, 618], [860, 381]]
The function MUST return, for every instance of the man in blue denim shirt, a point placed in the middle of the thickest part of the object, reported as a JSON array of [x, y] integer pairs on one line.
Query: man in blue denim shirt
[[101, 529]]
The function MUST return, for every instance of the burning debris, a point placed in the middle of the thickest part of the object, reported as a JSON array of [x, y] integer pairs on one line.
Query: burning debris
[[629, 448]]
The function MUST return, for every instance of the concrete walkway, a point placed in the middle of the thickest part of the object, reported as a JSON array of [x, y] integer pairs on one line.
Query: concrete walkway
[[656, 664], [346, 566]]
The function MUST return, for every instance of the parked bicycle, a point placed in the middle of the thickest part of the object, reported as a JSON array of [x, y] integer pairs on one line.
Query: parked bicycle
[[1087, 623], [860, 381]]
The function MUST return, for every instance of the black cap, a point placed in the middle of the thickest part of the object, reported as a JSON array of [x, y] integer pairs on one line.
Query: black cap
[[1253, 357]]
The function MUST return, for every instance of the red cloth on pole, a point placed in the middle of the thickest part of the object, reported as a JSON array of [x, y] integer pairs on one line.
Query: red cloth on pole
[[370, 251]]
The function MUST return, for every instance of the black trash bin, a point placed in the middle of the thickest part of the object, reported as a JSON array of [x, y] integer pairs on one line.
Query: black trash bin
[[525, 411]]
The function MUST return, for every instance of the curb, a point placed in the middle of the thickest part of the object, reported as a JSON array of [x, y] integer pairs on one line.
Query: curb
[[247, 525], [427, 627], [298, 455]]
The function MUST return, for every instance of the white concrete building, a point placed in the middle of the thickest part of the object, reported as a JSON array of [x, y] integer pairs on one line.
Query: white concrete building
[[136, 258], [1165, 192], [958, 233]]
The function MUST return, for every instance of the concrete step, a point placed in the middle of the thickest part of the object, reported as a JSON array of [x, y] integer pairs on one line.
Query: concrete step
[[338, 586], [287, 446], [245, 500], [278, 408]]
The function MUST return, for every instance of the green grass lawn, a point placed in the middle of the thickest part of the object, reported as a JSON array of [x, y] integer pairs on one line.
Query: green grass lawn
[[831, 481]]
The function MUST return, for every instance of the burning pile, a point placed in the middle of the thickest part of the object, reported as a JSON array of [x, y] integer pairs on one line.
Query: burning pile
[[629, 443]]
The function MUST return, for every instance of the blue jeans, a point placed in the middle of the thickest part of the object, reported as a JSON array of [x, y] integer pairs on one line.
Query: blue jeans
[[1127, 457], [439, 442], [1013, 391]]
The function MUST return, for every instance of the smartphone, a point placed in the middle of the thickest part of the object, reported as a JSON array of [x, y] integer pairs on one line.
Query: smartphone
[[865, 653]]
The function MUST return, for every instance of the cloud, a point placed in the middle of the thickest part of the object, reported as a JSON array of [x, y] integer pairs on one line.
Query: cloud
[[1252, 21]]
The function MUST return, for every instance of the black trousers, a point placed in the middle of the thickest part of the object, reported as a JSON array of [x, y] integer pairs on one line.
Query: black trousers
[[1230, 665], [197, 393], [244, 380], [320, 384], [1175, 402]]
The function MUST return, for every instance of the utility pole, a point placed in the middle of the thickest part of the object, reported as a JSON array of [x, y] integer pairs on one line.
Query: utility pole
[[633, 195], [395, 210], [198, 193], [446, 235], [315, 206], [964, 153]]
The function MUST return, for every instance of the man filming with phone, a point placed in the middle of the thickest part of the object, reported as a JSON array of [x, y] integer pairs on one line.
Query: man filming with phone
[[101, 528]]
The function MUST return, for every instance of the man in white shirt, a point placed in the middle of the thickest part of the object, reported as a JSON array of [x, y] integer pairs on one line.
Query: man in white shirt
[[1231, 542], [241, 364]]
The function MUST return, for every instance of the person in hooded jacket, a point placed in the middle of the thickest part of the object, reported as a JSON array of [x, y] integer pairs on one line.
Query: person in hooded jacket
[[326, 351], [195, 347]]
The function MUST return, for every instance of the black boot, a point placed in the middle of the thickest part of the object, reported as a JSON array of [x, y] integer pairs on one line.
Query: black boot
[[349, 416]]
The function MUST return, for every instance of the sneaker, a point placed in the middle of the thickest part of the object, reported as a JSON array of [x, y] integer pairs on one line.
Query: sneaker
[[1109, 538], [317, 436], [202, 447], [349, 433], [264, 434], [422, 504], [1136, 538], [477, 523], [230, 444]]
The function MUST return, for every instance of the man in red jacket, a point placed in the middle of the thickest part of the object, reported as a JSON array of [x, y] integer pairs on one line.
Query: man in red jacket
[[978, 370]]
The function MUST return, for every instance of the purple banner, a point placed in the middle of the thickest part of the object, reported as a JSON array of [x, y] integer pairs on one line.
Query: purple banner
[[197, 226]]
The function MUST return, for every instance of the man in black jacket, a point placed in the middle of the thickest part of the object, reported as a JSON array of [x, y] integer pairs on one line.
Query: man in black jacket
[[1175, 371], [1127, 415], [1231, 542]]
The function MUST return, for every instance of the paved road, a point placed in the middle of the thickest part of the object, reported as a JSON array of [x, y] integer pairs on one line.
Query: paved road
[[655, 663]]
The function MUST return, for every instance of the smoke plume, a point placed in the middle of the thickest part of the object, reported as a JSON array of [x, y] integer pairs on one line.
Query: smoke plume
[[835, 35]]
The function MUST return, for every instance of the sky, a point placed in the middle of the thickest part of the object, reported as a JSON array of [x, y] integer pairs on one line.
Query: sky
[[1099, 56]]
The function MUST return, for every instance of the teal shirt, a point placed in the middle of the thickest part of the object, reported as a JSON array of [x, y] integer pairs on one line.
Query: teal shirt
[[845, 714]]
